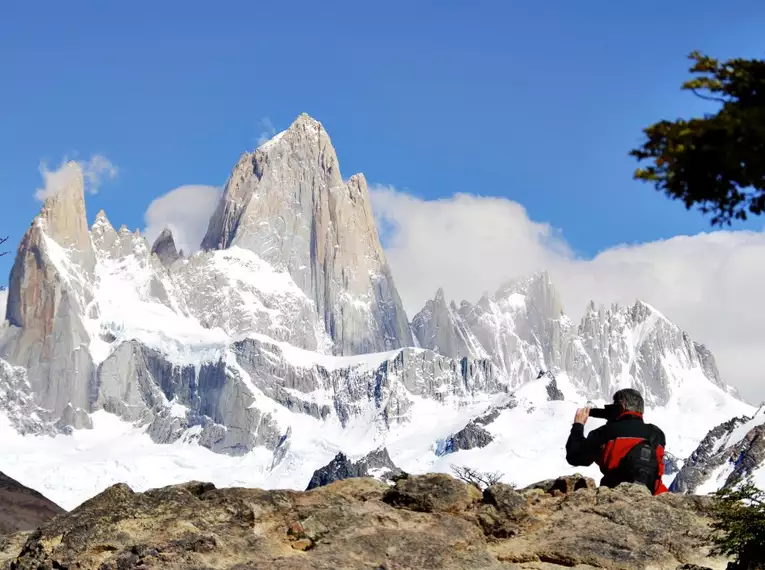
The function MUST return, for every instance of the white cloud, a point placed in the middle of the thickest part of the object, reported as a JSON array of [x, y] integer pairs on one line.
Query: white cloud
[[268, 131], [93, 171], [3, 303], [186, 210], [709, 284]]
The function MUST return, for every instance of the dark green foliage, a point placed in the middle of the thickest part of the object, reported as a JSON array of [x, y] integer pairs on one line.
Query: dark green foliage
[[716, 163], [739, 527]]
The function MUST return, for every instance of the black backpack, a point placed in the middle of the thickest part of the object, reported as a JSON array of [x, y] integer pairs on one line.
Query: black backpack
[[640, 465]]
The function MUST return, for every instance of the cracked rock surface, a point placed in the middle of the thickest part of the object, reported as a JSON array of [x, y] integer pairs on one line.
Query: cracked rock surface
[[428, 521]]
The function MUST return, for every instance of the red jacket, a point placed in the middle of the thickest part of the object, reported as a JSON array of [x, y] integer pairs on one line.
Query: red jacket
[[608, 444]]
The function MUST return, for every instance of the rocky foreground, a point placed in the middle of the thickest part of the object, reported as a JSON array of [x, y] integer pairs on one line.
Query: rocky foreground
[[429, 521], [22, 508]]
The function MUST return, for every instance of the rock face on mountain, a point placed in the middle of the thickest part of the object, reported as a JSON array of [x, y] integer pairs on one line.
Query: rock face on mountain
[[17, 401], [730, 452], [22, 508], [288, 203], [45, 309], [469, 437], [430, 521], [140, 385], [519, 328], [642, 341], [376, 463], [214, 401], [437, 327], [522, 329], [164, 248]]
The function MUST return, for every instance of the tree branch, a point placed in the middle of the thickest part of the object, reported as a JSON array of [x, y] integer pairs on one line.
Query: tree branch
[[476, 478], [707, 97]]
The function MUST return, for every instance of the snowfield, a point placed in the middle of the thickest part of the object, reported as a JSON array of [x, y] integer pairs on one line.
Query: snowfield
[[529, 445]]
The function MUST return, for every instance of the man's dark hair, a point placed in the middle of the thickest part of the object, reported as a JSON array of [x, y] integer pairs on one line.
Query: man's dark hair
[[630, 400]]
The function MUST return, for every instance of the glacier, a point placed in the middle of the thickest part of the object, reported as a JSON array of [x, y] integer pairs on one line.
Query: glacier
[[282, 342]]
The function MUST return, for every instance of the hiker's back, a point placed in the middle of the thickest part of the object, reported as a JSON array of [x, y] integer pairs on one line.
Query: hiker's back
[[626, 449], [636, 455]]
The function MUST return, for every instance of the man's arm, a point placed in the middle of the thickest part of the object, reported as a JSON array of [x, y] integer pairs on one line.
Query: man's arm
[[582, 451], [661, 443]]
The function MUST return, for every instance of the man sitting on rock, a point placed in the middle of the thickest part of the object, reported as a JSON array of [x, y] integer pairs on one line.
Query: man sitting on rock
[[626, 449]]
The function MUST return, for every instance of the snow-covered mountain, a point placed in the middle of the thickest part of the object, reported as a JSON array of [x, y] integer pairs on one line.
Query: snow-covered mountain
[[522, 329], [288, 204], [283, 342], [731, 452]]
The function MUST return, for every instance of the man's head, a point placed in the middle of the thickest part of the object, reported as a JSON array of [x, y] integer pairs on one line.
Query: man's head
[[629, 400]]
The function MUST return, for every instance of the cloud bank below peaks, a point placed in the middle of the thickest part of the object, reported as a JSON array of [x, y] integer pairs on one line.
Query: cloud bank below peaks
[[708, 284]]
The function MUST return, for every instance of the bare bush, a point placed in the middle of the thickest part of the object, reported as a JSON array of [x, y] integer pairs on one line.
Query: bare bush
[[478, 479]]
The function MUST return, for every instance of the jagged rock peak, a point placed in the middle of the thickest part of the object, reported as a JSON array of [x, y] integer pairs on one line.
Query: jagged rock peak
[[436, 328], [303, 129], [63, 213], [101, 224], [303, 147], [287, 202], [637, 312], [472, 436], [341, 467], [537, 290], [50, 287], [525, 284], [164, 247], [537, 284]]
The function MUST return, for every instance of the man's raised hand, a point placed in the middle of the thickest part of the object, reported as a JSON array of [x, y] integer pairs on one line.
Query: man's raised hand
[[581, 416]]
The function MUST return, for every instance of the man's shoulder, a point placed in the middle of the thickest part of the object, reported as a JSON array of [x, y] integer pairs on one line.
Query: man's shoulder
[[658, 433], [631, 428]]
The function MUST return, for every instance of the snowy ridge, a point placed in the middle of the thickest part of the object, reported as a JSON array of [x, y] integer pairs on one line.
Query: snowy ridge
[[522, 329], [731, 452]]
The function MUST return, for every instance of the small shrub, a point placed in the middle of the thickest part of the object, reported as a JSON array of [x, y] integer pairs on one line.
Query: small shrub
[[739, 526], [478, 479]]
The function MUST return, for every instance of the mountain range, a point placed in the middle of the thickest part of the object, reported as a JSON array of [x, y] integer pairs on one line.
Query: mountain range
[[283, 342]]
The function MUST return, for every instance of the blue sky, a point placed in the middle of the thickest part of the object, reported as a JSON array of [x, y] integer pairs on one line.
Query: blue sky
[[539, 102], [536, 101]]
